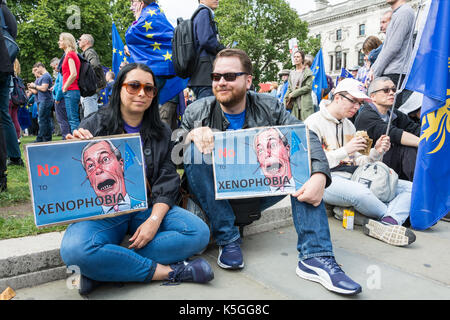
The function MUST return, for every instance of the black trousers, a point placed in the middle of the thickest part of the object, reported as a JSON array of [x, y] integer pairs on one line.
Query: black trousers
[[402, 159]]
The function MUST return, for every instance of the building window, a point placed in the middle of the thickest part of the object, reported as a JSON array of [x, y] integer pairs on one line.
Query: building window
[[361, 58], [331, 63], [345, 60], [338, 60], [362, 29], [318, 36], [339, 34]]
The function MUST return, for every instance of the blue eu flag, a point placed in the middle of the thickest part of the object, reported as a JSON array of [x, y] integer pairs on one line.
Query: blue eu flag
[[344, 74], [118, 52], [430, 75], [320, 78], [129, 156], [149, 40]]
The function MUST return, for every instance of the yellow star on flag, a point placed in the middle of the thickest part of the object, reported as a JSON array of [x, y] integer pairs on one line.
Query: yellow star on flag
[[120, 52], [156, 46], [167, 56], [114, 50], [147, 25], [125, 59], [317, 67], [151, 12], [150, 35]]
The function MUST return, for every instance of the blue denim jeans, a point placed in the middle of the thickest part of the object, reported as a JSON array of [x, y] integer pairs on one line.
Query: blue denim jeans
[[311, 223], [346, 193], [61, 117], [9, 131], [72, 100], [45, 120], [94, 246], [90, 104]]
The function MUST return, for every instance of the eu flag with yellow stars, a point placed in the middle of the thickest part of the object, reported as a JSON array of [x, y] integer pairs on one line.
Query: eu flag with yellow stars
[[319, 76], [430, 75], [118, 51], [149, 40]]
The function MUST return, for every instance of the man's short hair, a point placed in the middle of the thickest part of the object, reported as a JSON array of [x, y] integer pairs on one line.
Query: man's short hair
[[89, 38], [112, 74], [238, 53], [111, 145], [374, 84], [54, 61], [38, 65]]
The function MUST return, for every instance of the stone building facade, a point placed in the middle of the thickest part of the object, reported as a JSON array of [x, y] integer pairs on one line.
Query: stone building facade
[[342, 29]]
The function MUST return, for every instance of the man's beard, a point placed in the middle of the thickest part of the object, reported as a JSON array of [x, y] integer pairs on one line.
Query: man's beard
[[230, 101]]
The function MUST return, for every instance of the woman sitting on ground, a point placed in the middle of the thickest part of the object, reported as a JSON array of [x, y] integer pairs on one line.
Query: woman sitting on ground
[[163, 235]]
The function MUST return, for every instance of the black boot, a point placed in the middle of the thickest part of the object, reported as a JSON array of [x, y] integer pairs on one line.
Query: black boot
[[3, 183]]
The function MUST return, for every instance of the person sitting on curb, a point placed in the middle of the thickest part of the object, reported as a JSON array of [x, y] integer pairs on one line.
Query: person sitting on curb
[[234, 106], [342, 149], [404, 133]]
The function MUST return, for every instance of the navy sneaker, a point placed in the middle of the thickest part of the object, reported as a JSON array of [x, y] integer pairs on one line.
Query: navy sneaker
[[327, 272], [230, 256], [87, 285], [197, 270]]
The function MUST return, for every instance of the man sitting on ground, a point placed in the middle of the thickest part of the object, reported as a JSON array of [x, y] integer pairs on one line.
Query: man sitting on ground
[[404, 133], [342, 149]]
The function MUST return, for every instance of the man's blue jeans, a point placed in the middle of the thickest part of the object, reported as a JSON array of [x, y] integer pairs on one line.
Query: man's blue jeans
[[311, 223], [9, 132], [202, 92], [94, 246], [72, 99], [45, 121], [90, 104]]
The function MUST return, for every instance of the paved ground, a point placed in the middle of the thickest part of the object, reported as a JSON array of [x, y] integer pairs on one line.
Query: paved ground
[[420, 271]]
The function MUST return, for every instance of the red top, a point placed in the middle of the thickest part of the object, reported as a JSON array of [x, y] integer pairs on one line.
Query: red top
[[66, 70]]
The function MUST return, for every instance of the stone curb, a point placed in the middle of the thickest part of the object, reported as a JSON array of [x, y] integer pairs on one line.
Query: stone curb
[[31, 261]]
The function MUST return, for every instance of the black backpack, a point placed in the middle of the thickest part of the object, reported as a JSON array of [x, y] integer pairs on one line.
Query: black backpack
[[18, 94], [184, 52], [87, 80]]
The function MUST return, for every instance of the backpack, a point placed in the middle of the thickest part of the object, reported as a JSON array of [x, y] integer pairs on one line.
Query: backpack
[[379, 178], [87, 80], [184, 51], [18, 95], [100, 75]]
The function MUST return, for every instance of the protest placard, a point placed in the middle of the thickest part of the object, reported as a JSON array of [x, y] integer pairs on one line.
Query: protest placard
[[259, 162], [75, 180]]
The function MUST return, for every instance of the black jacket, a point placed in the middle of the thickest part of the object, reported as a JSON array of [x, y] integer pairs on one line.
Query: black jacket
[[369, 119], [160, 170], [5, 63], [261, 110]]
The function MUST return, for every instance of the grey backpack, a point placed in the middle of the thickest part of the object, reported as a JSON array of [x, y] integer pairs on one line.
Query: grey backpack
[[379, 178]]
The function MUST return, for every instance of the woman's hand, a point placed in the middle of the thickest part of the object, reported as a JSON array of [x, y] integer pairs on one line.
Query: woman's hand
[[144, 234], [80, 133], [312, 191]]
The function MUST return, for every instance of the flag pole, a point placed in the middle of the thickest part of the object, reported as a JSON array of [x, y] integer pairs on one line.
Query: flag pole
[[408, 61]]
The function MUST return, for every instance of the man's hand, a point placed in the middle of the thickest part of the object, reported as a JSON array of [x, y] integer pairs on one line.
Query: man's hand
[[383, 144], [312, 191], [203, 139], [356, 144], [126, 51], [80, 133]]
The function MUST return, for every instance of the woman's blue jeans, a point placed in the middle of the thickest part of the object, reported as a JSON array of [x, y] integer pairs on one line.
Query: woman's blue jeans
[[72, 99], [311, 223], [94, 246]]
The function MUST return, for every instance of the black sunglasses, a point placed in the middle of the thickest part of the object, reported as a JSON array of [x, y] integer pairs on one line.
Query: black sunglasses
[[386, 90], [230, 76], [352, 101]]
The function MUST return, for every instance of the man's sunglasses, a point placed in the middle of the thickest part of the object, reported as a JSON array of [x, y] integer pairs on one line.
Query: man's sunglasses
[[230, 76], [386, 90], [135, 87]]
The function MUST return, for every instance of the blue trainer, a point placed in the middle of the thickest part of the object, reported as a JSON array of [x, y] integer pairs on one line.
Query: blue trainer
[[327, 272], [197, 270], [230, 256]]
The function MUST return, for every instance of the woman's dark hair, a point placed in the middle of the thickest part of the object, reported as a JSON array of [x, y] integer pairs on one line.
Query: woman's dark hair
[[152, 125]]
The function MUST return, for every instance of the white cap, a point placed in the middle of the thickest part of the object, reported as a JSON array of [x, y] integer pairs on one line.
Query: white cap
[[353, 87]]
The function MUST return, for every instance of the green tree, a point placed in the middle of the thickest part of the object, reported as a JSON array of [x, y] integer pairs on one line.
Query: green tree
[[263, 28]]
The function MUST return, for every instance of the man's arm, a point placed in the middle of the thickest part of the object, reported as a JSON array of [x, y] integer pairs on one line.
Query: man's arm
[[206, 35], [409, 139]]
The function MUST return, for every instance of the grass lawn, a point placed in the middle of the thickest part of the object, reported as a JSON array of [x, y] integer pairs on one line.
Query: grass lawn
[[18, 192]]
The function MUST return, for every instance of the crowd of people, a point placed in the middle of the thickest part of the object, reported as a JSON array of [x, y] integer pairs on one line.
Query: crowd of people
[[221, 96]]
